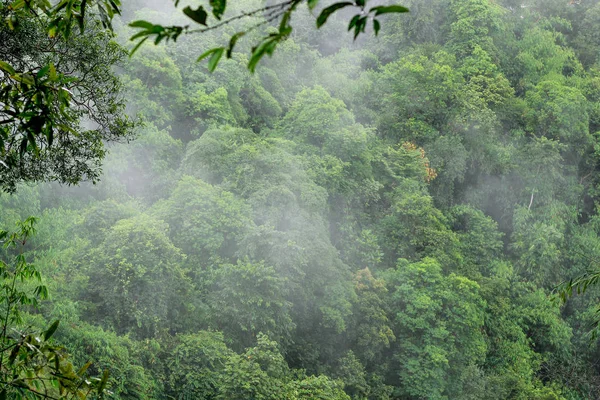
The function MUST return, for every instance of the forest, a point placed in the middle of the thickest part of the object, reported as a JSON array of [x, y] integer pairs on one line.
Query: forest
[[388, 217]]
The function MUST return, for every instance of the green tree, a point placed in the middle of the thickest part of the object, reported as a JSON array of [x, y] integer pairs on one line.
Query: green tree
[[31, 366], [136, 279], [62, 101]]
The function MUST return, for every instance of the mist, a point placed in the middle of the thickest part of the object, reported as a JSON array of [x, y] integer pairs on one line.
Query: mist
[[386, 218]]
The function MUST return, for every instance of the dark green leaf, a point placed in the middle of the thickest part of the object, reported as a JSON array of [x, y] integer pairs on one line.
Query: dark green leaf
[[198, 15], [259, 52], [103, 382], [353, 21], [84, 368], [137, 46], [207, 54], [326, 13], [7, 67], [141, 24], [214, 59], [50, 331], [376, 26], [388, 9], [81, 19], [218, 7], [42, 72], [233, 41]]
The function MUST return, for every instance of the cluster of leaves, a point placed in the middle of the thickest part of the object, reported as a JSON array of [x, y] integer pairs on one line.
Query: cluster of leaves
[[50, 87], [31, 366], [281, 12]]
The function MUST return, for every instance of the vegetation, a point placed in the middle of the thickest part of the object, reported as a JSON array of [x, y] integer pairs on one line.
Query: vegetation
[[361, 218]]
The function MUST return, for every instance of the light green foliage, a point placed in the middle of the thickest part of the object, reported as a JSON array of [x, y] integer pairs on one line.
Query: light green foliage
[[414, 228], [415, 95], [313, 115], [245, 299], [208, 109], [437, 321], [480, 241], [558, 112], [542, 55], [371, 332], [196, 365], [31, 366], [136, 278], [473, 24], [206, 222]]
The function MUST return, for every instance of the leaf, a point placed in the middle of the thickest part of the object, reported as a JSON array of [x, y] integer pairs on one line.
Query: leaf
[[312, 4], [84, 368], [7, 67], [50, 331], [81, 19], [13, 353], [214, 59], [233, 41], [218, 7], [215, 55], [376, 26], [283, 25], [198, 15], [103, 382], [141, 24], [137, 46], [23, 147], [258, 52], [326, 13], [360, 26], [388, 9], [353, 21], [42, 72]]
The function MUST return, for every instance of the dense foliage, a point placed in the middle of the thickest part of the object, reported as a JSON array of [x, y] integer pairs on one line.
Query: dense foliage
[[385, 218]]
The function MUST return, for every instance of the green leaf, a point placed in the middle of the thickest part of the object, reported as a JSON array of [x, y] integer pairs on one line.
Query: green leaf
[[23, 147], [215, 55], [376, 26], [353, 21], [198, 15], [137, 46], [265, 47], [141, 24], [312, 4], [214, 59], [81, 18], [84, 368], [388, 9], [326, 13], [218, 7], [42, 72], [103, 382], [7, 67], [233, 41], [50, 331]]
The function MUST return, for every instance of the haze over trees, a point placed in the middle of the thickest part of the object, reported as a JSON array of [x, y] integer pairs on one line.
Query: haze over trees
[[380, 218]]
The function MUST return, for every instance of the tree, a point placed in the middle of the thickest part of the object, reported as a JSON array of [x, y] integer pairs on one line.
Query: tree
[[437, 322], [61, 100], [31, 366], [136, 278]]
